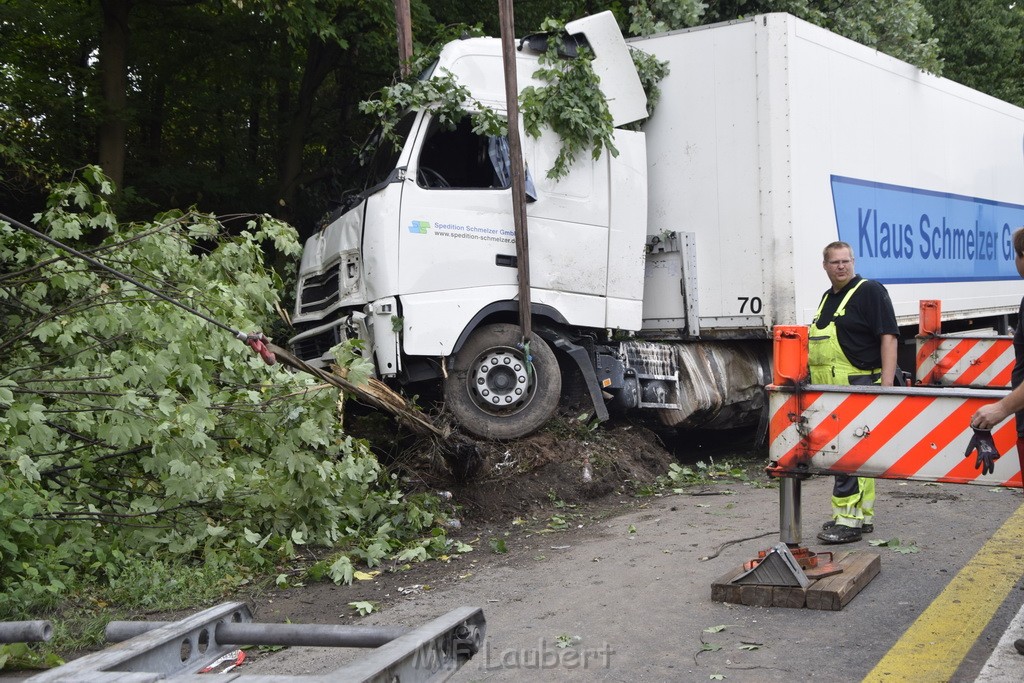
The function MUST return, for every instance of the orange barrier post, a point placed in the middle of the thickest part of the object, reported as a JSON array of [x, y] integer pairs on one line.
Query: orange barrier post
[[789, 355], [929, 317]]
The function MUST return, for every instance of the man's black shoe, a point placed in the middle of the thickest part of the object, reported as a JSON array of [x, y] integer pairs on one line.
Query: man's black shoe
[[1018, 645], [839, 533], [865, 529]]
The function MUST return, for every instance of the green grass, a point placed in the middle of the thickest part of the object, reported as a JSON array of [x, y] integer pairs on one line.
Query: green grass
[[140, 587]]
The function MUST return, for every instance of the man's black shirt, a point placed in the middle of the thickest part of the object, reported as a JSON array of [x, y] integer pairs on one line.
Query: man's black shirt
[[869, 315]]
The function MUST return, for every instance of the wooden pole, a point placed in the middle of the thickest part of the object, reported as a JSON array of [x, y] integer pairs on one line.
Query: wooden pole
[[403, 19], [515, 147]]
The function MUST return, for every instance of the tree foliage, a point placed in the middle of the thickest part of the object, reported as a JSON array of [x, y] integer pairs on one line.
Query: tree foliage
[[234, 105], [133, 429], [657, 16], [901, 28], [982, 44], [252, 105], [570, 103], [44, 77]]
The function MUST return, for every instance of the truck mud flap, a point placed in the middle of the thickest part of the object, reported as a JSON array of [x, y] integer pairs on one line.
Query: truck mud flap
[[583, 362]]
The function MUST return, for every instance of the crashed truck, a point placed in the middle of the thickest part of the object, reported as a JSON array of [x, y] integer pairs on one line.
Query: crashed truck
[[657, 274]]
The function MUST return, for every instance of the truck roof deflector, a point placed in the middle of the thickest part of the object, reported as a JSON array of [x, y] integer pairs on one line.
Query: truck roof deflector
[[614, 66]]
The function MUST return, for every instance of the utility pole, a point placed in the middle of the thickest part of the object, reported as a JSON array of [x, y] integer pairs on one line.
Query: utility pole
[[515, 147], [403, 19]]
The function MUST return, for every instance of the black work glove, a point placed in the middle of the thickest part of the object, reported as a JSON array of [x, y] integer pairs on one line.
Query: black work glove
[[987, 453]]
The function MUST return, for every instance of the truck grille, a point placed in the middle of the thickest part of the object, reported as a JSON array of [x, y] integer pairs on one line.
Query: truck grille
[[311, 348], [319, 291]]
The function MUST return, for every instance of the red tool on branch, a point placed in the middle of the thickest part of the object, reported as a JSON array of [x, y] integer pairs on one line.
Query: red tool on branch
[[258, 342]]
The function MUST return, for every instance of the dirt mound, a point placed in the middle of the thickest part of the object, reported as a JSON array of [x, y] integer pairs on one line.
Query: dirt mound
[[517, 477]]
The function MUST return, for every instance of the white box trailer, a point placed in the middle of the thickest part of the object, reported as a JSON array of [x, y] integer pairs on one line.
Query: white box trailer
[[772, 138]]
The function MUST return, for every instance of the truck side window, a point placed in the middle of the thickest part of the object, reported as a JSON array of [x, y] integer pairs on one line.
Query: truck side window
[[378, 168], [456, 158]]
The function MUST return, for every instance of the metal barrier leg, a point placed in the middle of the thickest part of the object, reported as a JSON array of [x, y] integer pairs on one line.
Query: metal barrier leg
[[789, 511], [25, 631]]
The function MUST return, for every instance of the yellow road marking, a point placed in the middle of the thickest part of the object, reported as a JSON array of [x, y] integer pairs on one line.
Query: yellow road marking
[[934, 645]]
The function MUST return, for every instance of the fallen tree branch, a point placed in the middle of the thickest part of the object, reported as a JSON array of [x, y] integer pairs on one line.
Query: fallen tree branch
[[374, 393]]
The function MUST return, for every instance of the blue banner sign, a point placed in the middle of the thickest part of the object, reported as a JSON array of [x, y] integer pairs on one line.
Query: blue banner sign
[[904, 235]]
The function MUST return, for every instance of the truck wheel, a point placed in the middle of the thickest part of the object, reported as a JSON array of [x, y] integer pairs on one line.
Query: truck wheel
[[490, 391]]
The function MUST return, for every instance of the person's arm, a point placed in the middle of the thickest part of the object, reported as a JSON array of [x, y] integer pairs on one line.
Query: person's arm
[[990, 415], [888, 359]]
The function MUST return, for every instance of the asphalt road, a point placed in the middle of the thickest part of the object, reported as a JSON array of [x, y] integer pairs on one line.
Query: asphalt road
[[630, 597]]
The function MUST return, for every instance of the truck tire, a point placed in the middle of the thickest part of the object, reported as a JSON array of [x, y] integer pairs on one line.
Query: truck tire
[[489, 390]]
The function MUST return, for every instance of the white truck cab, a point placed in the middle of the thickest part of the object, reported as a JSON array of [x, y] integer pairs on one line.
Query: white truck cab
[[656, 274]]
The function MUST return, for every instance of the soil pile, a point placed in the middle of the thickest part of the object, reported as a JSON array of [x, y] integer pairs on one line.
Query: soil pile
[[567, 460]]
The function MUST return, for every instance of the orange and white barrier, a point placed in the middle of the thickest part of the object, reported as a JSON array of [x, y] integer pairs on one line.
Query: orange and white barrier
[[960, 360], [872, 431]]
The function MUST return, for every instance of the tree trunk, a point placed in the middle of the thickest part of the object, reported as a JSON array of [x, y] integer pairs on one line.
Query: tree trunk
[[321, 59], [403, 19], [113, 67]]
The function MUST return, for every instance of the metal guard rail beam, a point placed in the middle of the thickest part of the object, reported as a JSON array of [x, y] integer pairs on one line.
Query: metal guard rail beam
[[179, 650]]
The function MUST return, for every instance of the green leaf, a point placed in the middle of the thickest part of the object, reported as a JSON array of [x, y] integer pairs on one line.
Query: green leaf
[[564, 640], [557, 523], [28, 468], [896, 545], [341, 570], [417, 554], [363, 607]]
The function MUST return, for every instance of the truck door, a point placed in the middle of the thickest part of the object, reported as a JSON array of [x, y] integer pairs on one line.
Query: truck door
[[454, 226], [457, 230]]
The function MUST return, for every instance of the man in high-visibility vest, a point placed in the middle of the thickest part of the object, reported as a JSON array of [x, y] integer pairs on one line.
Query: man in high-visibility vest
[[988, 416], [852, 341]]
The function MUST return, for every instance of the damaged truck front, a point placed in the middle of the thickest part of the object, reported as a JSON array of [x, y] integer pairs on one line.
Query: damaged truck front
[[657, 272]]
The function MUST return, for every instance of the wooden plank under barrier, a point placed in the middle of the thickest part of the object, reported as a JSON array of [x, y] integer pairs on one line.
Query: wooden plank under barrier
[[828, 593]]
